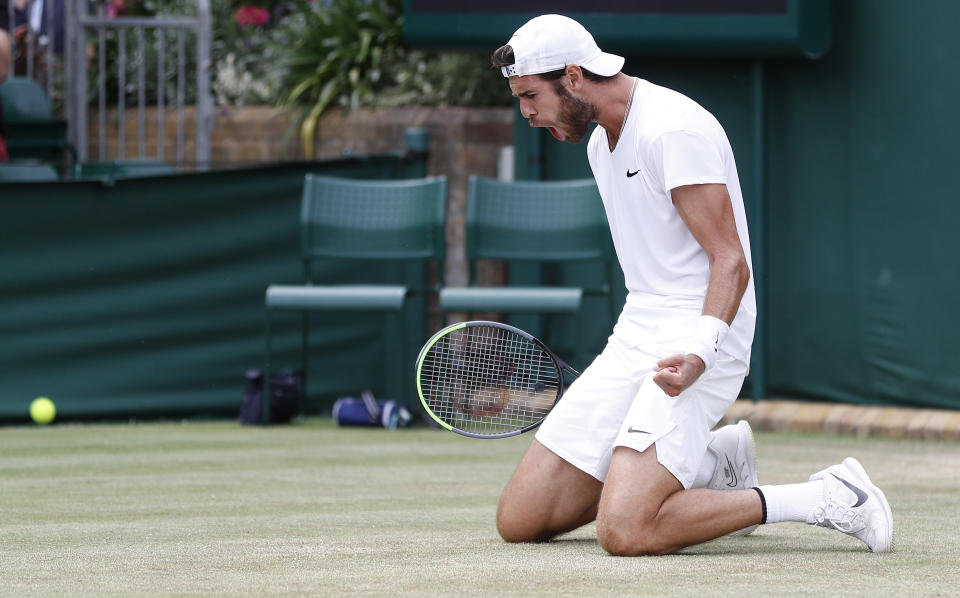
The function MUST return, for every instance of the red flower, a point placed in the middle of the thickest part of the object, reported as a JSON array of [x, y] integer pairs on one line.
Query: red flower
[[249, 15], [115, 9]]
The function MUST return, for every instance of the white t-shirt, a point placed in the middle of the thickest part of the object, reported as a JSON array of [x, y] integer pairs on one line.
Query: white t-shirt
[[668, 141]]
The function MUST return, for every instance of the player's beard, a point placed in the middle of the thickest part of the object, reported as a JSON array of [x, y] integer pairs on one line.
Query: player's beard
[[575, 114]]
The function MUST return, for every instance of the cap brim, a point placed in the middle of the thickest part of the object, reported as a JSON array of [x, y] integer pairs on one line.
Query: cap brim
[[603, 64]]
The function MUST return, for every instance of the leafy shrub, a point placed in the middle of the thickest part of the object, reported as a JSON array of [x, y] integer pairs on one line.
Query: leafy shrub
[[350, 53]]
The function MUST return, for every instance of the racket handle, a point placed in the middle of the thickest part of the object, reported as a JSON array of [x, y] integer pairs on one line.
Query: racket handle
[[564, 366]]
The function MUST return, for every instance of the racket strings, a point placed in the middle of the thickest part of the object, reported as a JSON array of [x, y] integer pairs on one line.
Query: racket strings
[[489, 381]]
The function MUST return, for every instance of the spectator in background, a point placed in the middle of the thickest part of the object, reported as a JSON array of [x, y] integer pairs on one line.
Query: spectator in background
[[6, 52], [39, 30], [7, 29], [50, 38], [4, 41], [4, 69]]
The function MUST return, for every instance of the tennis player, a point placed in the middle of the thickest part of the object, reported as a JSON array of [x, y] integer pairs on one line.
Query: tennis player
[[630, 444]]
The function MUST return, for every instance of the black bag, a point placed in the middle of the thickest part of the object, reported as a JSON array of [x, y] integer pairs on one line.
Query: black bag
[[286, 390]]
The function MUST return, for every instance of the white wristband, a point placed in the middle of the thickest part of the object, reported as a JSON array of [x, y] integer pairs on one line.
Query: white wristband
[[707, 339]]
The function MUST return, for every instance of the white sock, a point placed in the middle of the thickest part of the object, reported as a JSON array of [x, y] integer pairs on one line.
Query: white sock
[[707, 467], [792, 502]]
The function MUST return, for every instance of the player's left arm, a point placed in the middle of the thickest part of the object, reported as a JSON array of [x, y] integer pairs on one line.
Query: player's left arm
[[708, 213]]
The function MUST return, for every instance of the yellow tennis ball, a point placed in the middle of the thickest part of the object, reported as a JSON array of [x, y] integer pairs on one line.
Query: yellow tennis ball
[[42, 410]]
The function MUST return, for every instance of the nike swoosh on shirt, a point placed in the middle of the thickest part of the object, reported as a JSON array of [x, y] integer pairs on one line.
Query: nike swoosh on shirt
[[632, 430], [634, 173]]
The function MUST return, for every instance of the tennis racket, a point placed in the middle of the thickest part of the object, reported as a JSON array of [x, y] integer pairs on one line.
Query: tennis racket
[[488, 380]]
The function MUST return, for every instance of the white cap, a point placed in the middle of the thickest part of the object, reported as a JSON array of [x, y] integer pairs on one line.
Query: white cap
[[551, 42]]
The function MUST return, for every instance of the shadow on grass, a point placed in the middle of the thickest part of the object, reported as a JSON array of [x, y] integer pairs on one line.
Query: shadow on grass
[[753, 544]]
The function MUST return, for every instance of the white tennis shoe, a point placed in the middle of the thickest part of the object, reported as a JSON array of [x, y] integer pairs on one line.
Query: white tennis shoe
[[734, 447], [854, 506]]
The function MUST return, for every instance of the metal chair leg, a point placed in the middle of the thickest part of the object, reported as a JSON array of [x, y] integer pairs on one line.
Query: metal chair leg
[[394, 355], [304, 358], [265, 397]]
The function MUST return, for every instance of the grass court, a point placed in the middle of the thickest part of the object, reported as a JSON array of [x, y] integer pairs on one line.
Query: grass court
[[216, 509]]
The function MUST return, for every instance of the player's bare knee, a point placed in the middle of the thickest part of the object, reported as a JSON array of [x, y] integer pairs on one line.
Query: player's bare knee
[[508, 529], [513, 526], [633, 538], [624, 543], [515, 529], [617, 541], [515, 534]]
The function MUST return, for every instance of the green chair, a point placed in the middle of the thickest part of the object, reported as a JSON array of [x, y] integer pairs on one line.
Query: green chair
[[530, 226], [399, 221], [27, 172], [32, 130], [24, 100]]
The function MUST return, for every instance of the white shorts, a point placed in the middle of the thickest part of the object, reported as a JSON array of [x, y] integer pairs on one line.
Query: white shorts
[[616, 403]]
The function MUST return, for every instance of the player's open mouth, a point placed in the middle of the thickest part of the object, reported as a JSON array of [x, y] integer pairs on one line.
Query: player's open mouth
[[557, 134]]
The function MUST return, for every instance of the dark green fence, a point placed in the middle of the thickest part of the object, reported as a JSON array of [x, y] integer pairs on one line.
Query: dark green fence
[[144, 297]]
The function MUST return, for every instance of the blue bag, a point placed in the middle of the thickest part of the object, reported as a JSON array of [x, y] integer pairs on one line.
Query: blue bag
[[368, 411]]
